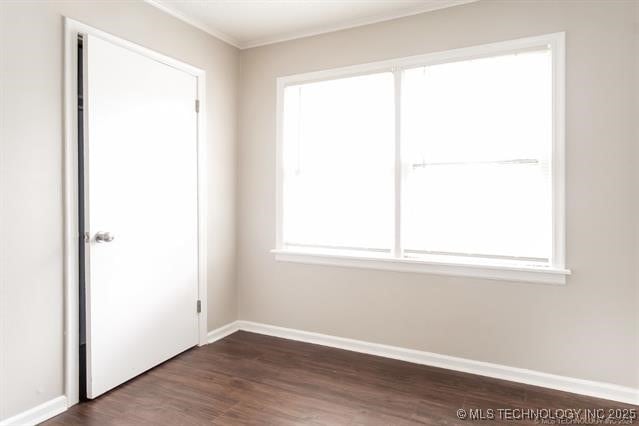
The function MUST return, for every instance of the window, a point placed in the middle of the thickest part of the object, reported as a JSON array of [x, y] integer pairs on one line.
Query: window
[[338, 163], [478, 140], [448, 163]]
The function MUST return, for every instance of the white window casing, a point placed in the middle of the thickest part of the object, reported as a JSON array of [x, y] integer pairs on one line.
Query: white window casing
[[426, 249]]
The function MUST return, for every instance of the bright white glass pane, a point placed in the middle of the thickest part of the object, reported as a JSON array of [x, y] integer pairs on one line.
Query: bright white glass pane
[[338, 141], [477, 143]]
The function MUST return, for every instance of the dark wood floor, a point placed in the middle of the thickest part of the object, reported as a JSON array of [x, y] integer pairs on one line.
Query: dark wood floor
[[250, 379]]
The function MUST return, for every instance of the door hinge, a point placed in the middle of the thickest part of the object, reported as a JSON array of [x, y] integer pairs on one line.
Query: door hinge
[[199, 306], [197, 105]]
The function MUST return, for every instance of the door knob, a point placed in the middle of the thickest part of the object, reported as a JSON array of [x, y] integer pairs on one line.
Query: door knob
[[103, 237]]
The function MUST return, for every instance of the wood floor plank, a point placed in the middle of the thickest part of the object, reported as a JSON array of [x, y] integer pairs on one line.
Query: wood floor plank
[[251, 379]]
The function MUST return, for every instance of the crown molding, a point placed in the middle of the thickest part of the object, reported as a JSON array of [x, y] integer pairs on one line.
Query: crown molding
[[353, 23], [195, 23]]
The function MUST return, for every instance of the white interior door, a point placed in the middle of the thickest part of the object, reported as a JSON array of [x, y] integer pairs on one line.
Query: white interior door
[[140, 188]]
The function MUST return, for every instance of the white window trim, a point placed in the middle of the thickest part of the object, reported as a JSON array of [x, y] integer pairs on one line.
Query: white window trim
[[555, 273]]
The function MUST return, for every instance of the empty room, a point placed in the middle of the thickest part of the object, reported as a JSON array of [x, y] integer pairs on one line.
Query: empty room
[[319, 212]]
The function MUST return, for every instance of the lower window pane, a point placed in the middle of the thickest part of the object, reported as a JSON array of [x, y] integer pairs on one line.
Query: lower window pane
[[485, 209]]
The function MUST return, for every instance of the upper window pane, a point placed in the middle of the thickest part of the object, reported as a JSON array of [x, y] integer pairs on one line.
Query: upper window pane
[[476, 147], [338, 159]]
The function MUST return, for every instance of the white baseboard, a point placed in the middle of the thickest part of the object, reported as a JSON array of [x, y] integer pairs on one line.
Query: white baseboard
[[602, 390], [38, 413], [513, 374], [222, 332]]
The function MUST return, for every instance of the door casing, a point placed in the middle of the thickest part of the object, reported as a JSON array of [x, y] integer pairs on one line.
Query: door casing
[[72, 29]]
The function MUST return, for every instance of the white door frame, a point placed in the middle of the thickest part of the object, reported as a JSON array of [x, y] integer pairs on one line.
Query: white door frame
[[70, 184]]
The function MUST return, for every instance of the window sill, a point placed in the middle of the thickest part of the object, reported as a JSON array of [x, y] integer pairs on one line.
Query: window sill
[[521, 273]]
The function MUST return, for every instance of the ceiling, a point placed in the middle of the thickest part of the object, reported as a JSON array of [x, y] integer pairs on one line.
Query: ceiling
[[250, 23]]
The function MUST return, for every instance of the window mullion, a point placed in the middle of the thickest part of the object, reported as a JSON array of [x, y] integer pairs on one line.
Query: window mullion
[[397, 246]]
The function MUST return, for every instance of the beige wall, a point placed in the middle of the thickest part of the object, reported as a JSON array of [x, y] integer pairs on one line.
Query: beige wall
[[31, 286], [587, 329]]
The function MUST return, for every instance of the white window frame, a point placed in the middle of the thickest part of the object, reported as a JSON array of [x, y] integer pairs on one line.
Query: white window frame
[[553, 273]]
